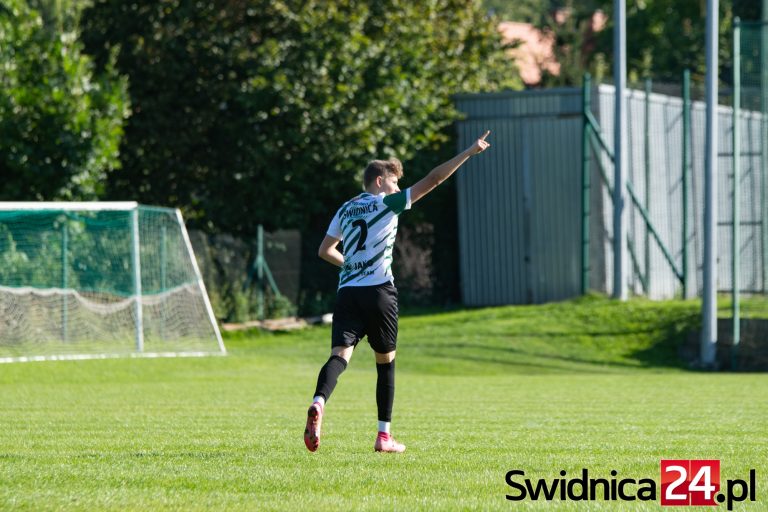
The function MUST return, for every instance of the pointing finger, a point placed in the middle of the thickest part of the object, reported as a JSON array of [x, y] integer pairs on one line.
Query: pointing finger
[[485, 134]]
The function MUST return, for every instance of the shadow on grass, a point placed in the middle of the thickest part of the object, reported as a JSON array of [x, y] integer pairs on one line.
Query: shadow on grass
[[578, 350], [594, 331], [461, 351], [548, 365], [590, 333]]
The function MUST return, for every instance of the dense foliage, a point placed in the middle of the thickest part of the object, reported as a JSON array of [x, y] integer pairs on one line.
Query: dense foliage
[[60, 121], [664, 37], [267, 111], [247, 112], [527, 11]]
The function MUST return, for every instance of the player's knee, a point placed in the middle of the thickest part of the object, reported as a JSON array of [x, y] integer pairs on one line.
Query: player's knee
[[385, 357], [343, 352]]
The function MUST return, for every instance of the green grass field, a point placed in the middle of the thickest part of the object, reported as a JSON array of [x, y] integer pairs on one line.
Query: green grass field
[[582, 384]]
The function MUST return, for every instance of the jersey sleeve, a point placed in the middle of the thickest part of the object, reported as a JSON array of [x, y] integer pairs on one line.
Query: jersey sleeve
[[334, 229], [399, 201]]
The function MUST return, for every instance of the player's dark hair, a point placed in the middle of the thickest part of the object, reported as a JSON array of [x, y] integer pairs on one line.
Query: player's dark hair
[[376, 168]]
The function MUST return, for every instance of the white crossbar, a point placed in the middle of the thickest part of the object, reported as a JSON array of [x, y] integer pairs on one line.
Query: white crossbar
[[66, 205]]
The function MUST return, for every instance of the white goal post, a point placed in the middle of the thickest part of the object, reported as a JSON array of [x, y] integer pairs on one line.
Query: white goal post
[[83, 280]]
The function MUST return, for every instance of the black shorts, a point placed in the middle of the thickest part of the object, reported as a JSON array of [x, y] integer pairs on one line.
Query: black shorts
[[366, 310]]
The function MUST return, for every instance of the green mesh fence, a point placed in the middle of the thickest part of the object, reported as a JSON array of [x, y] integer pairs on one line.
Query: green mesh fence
[[754, 73], [87, 281], [751, 88]]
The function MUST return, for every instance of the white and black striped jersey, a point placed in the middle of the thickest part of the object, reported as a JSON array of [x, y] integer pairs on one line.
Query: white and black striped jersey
[[367, 225]]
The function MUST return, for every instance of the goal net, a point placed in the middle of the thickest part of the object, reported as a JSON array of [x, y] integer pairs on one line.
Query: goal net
[[92, 280]]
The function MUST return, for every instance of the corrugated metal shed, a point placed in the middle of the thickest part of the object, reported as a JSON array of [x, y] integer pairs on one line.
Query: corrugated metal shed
[[519, 203], [515, 247]]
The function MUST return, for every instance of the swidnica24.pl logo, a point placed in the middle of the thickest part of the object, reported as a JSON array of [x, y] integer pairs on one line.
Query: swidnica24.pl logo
[[683, 483]]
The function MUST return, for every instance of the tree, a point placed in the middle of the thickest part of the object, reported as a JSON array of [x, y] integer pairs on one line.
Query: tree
[[528, 11], [60, 123], [665, 37], [571, 23], [265, 112]]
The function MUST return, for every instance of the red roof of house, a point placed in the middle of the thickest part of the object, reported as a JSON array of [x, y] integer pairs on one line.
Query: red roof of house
[[534, 51]]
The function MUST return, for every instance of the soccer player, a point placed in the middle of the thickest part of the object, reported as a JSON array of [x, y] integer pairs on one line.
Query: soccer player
[[366, 302]]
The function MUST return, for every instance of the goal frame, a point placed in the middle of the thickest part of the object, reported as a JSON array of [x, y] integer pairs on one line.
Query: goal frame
[[131, 207]]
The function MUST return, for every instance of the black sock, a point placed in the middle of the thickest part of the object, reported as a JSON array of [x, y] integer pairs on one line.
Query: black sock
[[385, 389], [329, 375]]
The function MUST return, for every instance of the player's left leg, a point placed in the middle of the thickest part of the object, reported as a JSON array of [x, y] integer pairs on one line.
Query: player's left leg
[[382, 336], [385, 397]]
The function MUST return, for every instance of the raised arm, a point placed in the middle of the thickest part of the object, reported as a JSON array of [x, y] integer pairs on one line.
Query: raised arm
[[443, 171]]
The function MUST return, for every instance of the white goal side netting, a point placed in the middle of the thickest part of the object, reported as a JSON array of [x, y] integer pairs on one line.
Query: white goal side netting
[[90, 280]]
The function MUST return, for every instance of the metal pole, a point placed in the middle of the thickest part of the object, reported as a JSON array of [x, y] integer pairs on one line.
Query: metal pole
[[585, 183], [764, 137], [735, 263], [619, 144], [199, 276], [136, 257], [709, 302], [686, 167], [163, 273], [64, 280], [647, 157], [163, 258], [260, 271]]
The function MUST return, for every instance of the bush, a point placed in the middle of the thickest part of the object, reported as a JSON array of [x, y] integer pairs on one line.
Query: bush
[[266, 112], [60, 123]]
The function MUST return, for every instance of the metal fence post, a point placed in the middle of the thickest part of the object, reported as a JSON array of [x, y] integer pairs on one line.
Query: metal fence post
[[585, 182], [163, 273], [137, 292], [260, 271], [709, 333], [64, 280], [647, 158], [764, 136], [686, 166], [736, 190], [620, 152]]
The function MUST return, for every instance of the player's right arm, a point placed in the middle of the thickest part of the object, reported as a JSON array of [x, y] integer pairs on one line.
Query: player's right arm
[[444, 171], [329, 252]]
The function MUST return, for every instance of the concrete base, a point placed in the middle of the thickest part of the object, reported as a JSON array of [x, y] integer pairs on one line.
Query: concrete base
[[750, 355]]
